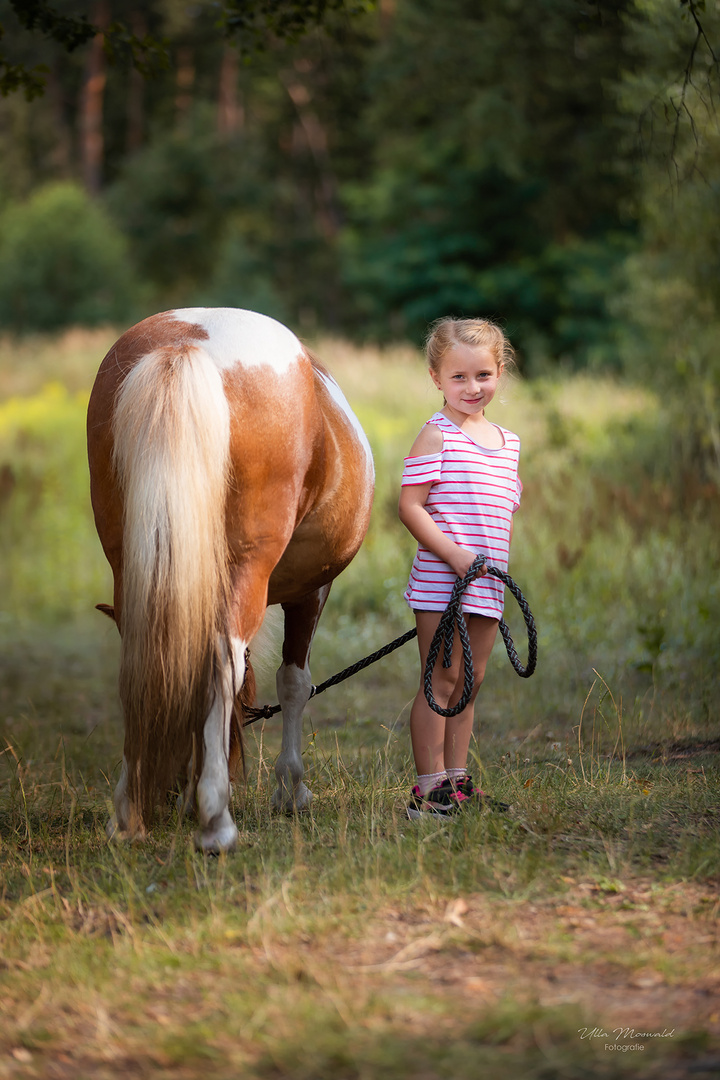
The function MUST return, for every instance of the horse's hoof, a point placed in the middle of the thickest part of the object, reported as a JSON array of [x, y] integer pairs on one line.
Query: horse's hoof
[[293, 802], [120, 836], [214, 841]]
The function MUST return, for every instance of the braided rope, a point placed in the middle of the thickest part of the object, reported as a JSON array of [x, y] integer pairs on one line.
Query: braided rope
[[451, 617]]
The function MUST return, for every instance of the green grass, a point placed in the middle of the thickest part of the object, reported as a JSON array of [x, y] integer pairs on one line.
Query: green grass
[[351, 943]]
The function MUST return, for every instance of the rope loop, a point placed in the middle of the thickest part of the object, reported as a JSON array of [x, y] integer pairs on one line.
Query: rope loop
[[453, 617]]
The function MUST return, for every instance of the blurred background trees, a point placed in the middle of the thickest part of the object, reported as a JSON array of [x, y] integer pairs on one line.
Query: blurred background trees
[[367, 167]]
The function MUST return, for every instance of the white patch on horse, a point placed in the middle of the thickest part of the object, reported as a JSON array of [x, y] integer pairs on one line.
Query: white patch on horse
[[218, 831], [117, 826], [243, 337], [342, 402]]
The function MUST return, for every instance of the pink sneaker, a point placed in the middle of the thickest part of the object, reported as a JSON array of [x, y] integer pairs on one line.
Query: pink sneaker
[[441, 801]]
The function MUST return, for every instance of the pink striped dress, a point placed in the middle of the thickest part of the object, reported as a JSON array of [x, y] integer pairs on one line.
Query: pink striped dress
[[474, 493]]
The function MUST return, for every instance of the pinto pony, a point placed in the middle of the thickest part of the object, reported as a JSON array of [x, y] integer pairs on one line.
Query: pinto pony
[[227, 472]]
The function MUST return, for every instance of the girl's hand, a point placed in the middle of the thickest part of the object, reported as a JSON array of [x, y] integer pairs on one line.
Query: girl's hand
[[464, 560]]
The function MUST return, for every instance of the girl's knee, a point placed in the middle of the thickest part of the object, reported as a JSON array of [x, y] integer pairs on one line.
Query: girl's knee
[[448, 686], [442, 688]]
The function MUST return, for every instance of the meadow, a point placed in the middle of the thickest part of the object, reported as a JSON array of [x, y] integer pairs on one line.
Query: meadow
[[576, 936]]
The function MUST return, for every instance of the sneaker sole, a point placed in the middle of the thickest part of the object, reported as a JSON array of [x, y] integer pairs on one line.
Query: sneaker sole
[[416, 815]]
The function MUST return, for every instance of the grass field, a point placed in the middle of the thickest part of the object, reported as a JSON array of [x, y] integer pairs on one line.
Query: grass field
[[575, 937]]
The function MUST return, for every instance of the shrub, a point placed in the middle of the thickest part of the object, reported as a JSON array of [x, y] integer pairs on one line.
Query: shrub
[[172, 202], [62, 262], [241, 277], [51, 564]]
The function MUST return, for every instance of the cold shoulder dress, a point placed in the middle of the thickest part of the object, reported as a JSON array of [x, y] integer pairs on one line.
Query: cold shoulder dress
[[474, 493]]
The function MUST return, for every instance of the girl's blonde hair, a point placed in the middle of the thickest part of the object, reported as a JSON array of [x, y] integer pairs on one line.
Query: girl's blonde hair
[[478, 333]]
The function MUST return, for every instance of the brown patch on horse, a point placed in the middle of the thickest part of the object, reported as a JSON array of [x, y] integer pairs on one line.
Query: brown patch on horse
[[332, 522]]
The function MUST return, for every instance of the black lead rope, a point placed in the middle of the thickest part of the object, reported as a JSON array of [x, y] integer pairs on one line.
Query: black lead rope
[[266, 711], [451, 617]]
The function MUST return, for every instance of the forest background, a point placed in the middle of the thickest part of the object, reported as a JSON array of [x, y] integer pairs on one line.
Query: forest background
[[553, 165]]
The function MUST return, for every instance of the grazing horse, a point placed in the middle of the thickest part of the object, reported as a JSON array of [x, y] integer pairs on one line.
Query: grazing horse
[[227, 472]]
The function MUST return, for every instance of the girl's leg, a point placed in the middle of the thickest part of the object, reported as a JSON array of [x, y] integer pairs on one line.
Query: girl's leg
[[440, 742], [458, 729], [427, 729]]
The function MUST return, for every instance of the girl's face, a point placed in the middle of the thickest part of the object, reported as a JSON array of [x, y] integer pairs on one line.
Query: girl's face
[[468, 378]]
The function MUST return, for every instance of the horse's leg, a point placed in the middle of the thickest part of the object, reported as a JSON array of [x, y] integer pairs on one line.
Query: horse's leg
[[218, 831], [117, 826], [186, 799], [245, 698], [125, 823], [293, 686]]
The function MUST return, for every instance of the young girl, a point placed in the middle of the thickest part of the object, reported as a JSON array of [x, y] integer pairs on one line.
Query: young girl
[[460, 489]]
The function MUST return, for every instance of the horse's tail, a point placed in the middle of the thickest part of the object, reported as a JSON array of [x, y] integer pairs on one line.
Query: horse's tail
[[171, 431]]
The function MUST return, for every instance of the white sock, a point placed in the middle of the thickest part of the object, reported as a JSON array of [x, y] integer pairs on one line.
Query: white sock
[[456, 774], [428, 781]]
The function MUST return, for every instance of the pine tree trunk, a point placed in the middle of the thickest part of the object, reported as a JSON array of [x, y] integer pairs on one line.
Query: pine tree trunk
[[62, 153], [91, 105], [184, 82], [230, 117], [315, 138], [135, 96]]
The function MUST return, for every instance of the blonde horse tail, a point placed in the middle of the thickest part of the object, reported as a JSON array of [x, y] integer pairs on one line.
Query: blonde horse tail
[[171, 431]]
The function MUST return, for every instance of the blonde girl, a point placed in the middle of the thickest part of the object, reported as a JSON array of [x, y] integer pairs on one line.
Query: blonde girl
[[460, 489]]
